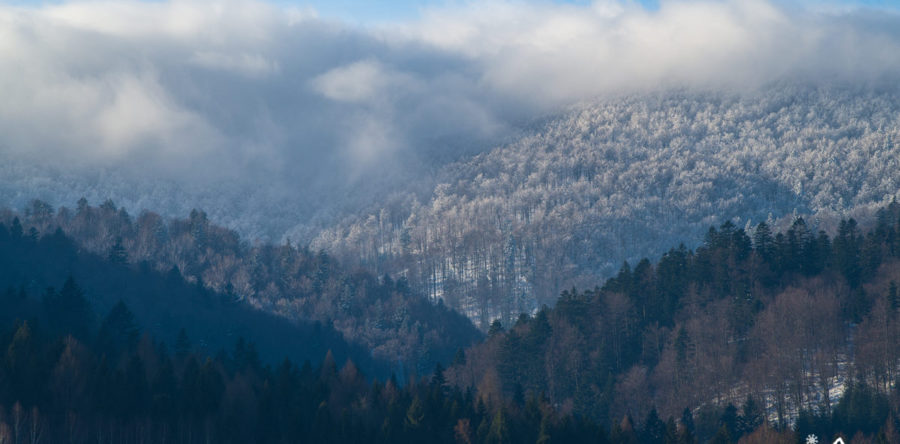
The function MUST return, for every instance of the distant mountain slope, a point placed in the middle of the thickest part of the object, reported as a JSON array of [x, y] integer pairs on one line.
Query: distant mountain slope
[[612, 180], [382, 317], [163, 303]]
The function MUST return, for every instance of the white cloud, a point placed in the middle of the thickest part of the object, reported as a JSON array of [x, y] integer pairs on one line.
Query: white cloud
[[356, 82], [250, 65], [281, 98], [566, 53], [208, 21], [140, 114]]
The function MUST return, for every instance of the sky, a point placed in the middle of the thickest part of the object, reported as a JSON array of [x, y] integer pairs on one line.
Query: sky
[[250, 94], [369, 11], [362, 11]]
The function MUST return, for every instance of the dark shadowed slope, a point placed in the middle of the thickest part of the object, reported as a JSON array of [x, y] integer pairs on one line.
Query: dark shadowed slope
[[385, 316], [163, 303]]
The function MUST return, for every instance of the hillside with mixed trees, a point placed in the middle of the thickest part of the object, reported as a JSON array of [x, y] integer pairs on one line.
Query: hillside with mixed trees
[[53, 282], [381, 316], [498, 230], [76, 369], [613, 180], [755, 337], [797, 328]]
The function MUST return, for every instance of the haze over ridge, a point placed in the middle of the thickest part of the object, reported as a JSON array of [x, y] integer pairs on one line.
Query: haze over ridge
[[265, 114]]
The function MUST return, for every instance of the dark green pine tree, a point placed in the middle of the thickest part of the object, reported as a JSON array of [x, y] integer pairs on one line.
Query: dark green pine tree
[[496, 327], [118, 331], [752, 416], [847, 248], [729, 419], [117, 253], [164, 391], [68, 311], [862, 409], [437, 379], [182, 345], [459, 359], [22, 366], [212, 387], [15, 230], [102, 390], [687, 429], [654, 430], [136, 389], [893, 298]]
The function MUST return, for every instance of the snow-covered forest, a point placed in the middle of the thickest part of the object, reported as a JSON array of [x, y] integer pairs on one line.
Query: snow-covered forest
[[611, 180], [504, 231]]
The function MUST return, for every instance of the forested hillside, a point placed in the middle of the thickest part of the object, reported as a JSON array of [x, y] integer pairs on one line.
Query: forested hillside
[[64, 289], [66, 379], [782, 324], [450, 221], [615, 179], [384, 317], [503, 232], [752, 337]]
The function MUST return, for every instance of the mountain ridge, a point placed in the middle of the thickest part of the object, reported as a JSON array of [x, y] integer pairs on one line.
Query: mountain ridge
[[609, 181]]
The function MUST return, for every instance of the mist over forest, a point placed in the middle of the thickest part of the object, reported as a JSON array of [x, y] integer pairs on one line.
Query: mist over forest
[[498, 221], [278, 122]]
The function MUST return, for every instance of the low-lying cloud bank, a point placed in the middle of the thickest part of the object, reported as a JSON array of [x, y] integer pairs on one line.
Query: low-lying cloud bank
[[209, 91]]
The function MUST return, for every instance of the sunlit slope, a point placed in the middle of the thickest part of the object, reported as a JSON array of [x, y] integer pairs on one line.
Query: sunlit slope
[[614, 179]]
